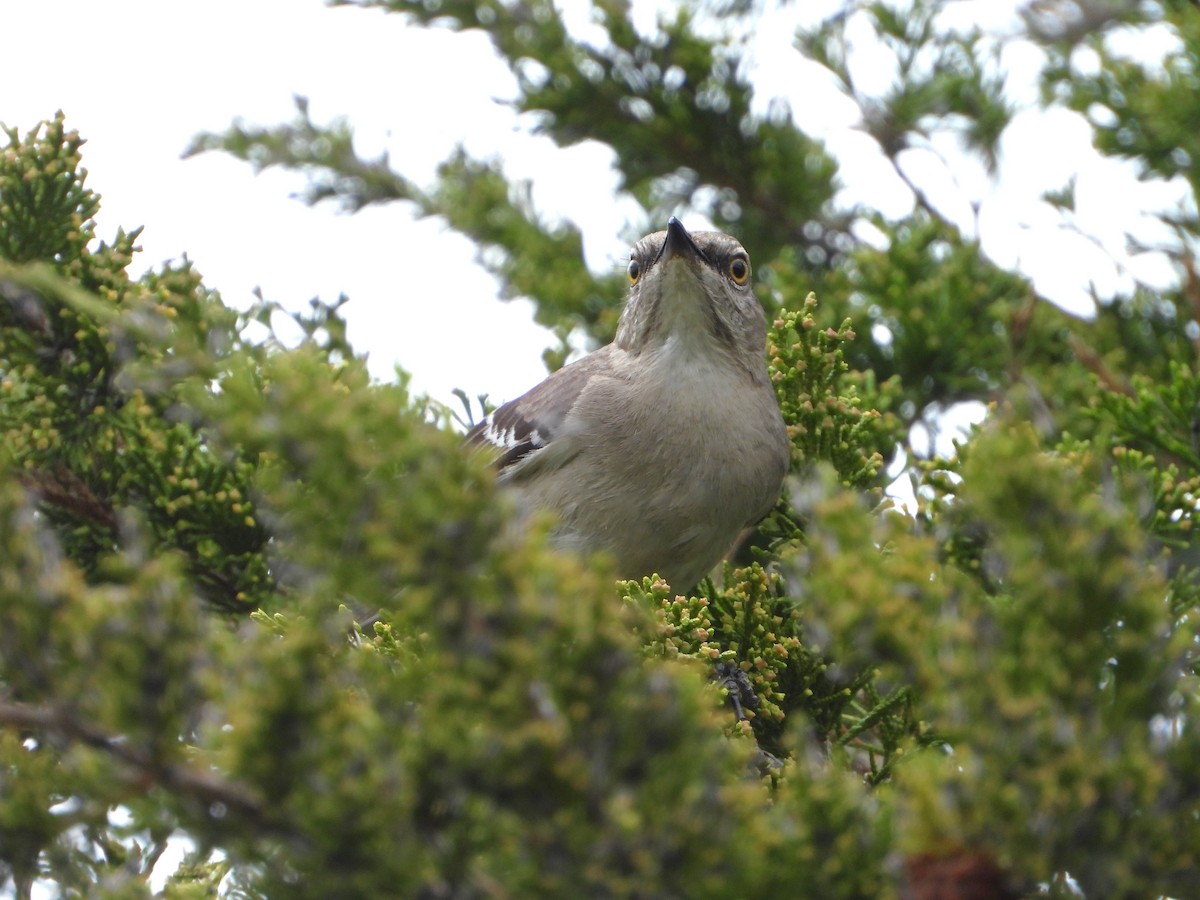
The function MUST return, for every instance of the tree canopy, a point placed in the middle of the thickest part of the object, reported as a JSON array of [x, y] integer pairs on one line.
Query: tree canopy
[[257, 604]]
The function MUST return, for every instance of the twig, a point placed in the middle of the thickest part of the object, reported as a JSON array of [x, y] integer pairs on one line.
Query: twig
[[1092, 361], [64, 490], [204, 786]]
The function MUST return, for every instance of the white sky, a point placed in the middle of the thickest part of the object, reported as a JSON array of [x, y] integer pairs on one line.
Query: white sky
[[138, 78]]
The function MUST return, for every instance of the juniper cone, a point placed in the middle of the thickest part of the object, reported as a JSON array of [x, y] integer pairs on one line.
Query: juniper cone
[[662, 446]]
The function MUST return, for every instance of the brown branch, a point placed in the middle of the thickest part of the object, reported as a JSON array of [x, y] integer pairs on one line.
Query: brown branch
[[1092, 361], [60, 488], [64, 490], [965, 874], [27, 307], [202, 785], [1191, 290]]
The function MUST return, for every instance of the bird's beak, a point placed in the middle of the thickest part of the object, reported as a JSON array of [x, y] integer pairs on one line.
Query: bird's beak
[[678, 243]]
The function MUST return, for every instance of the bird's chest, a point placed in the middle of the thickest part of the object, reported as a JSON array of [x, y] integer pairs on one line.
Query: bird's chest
[[662, 464], [691, 427]]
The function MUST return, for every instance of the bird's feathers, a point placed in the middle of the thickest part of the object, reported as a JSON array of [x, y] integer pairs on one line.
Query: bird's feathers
[[523, 426]]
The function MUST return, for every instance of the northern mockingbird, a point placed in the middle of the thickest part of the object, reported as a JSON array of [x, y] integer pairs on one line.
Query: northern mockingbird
[[662, 446]]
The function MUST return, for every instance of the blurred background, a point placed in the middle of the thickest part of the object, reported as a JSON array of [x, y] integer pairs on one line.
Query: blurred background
[[903, 124]]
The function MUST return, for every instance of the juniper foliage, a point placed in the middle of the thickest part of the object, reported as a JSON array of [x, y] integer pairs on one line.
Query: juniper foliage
[[250, 598]]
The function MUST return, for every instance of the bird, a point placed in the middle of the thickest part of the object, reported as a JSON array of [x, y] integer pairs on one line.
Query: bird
[[660, 448]]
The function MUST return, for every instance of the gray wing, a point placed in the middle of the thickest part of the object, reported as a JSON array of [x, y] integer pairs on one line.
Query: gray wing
[[528, 424]]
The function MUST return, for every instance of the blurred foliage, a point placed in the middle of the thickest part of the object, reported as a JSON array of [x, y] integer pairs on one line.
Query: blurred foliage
[[252, 602], [94, 369], [916, 293]]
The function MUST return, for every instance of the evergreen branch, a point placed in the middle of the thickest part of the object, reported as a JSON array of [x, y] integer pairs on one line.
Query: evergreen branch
[[1093, 362], [65, 491], [210, 790]]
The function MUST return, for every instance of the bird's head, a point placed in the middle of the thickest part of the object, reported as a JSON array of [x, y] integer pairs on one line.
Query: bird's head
[[692, 288]]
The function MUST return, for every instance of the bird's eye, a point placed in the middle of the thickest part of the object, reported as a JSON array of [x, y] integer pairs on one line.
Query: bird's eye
[[739, 270], [634, 271]]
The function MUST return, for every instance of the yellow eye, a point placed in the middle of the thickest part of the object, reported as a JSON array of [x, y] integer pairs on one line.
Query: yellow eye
[[739, 270], [634, 271]]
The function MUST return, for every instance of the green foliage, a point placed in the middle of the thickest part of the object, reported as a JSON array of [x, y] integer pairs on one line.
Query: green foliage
[[477, 200], [1158, 467], [827, 417], [472, 196], [942, 76], [1044, 678], [751, 624], [918, 292], [326, 154], [992, 686], [641, 93], [501, 726], [93, 366], [1141, 112], [47, 209]]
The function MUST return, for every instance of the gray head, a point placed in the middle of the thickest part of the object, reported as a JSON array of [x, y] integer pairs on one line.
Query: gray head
[[694, 288]]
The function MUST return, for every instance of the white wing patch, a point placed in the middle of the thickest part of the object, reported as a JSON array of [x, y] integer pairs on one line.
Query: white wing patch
[[534, 421], [508, 432]]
